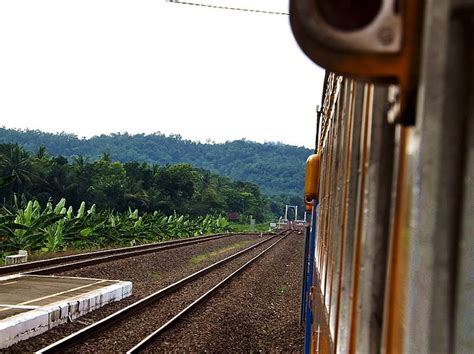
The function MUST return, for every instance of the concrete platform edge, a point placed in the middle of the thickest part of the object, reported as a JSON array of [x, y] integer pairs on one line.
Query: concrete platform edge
[[32, 323]]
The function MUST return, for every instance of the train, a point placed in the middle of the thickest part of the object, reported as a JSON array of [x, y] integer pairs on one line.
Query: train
[[389, 255]]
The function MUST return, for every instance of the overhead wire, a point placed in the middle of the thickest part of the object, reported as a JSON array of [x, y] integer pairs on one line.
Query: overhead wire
[[267, 12]]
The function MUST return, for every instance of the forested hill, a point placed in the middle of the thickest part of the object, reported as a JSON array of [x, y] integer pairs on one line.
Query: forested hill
[[276, 168]]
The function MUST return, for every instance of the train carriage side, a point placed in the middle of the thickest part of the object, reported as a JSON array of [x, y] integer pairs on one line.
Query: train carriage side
[[393, 257]]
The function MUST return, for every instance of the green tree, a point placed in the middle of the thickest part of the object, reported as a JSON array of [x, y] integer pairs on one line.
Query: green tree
[[16, 162]]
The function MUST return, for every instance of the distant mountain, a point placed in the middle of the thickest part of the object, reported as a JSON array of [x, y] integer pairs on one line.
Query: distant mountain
[[275, 167]]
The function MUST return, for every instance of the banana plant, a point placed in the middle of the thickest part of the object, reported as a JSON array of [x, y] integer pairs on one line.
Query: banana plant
[[57, 228]]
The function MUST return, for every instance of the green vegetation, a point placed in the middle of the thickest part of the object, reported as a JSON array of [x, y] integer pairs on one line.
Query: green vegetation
[[278, 169], [129, 203], [117, 186], [58, 227], [155, 276], [205, 256], [163, 196], [261, 227]]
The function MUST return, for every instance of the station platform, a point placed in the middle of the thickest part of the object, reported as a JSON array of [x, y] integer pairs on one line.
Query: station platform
[[32, 304]]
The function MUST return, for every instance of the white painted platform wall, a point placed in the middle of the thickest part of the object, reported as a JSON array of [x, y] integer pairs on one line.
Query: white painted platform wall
[[38, 320]]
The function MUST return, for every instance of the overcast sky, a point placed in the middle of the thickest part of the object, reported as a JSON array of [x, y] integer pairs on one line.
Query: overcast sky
[[94, 67]]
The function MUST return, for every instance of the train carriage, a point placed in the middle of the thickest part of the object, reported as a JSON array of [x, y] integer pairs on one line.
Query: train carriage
[[393, 202]]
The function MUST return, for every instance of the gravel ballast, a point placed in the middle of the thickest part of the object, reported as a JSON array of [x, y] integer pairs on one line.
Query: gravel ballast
[[148, 274], [257, 311], [125, 334]]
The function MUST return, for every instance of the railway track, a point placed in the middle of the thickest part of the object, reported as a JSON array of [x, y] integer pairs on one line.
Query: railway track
[[61, 264], [166, 305]]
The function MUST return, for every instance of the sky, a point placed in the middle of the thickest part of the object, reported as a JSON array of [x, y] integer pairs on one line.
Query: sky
[[92, 67]]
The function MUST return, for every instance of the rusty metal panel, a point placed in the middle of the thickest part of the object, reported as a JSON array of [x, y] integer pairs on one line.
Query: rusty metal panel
[[325, 255], [375, 226], [422, 279], [464, 330], [322, 209], [336, 141], [338, 217], [397, 270], [439, 279], [365, 126], [464, 312], [344, 296]]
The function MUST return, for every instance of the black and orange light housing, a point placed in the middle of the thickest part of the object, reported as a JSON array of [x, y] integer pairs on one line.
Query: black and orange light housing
[[370, 40]]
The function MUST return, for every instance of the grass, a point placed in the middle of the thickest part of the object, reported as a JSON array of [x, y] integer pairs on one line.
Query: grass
[[262, 227], [282, 289], [38, 255], [205, 256]]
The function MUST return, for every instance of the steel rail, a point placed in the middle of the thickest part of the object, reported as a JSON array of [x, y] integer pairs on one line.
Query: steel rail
[[57, 260], [93, 261], [199, 301], [150, 299]]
